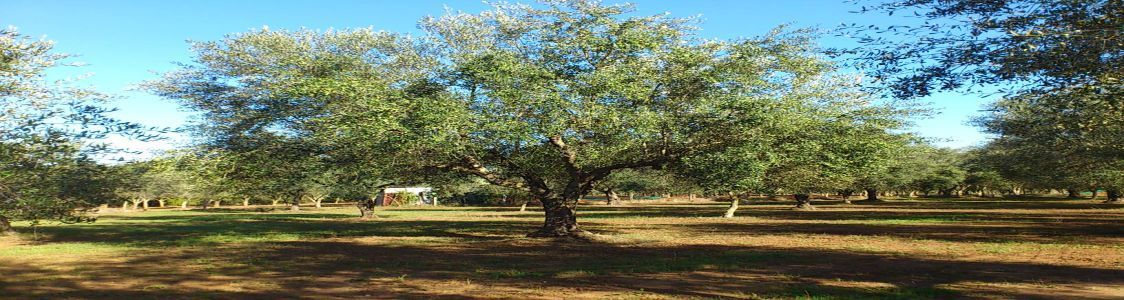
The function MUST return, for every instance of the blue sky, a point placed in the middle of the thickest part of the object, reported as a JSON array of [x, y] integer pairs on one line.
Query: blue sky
[[127, 42]]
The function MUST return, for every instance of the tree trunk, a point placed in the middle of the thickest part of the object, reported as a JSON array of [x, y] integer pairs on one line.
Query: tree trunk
[[125, 205], [1112, 196], [523, 207], [733, 208], [218, 203], [336, 201], [611, 197], [183, 204], [691, 197], [6, 226], [295, 205], [803, 202], [367, 208], [846, 194], [144, 203], [275, 200], [631, 196], [561, 218], [245, 201], [161, 203], [1072, 193], [1094, 194], [317, 202], [871, 195], [136, 205]]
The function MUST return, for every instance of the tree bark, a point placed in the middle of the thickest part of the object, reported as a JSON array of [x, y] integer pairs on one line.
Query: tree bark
[[6, 226], [846, 194], [367, 208], [871, 195], [611, 197], [733, 208], [1112, 196], [561, 218], [803, 202], [295, 205]]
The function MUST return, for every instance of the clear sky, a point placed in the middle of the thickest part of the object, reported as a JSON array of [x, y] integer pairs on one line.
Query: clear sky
[[127, 42]]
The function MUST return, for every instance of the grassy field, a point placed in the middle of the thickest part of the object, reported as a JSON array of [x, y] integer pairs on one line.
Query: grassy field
[[895, 250]]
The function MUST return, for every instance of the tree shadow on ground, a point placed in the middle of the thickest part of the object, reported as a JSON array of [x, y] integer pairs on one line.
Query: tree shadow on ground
[[347, 269]]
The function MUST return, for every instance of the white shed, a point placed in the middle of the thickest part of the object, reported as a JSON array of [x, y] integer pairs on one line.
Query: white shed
[[425, 195]]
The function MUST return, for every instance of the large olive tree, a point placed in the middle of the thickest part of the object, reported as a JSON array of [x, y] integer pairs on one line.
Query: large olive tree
[[548, 100]]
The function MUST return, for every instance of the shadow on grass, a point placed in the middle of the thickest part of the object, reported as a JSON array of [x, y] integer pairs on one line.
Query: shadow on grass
[[333, 269]]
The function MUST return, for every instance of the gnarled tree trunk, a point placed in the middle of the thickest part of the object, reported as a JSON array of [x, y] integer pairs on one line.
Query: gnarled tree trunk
[[295, 204], [367, 208], [611, 197], [803, 202], [872, 195], [6, 226], [1112, 196], [1072, 193], [561, 218]]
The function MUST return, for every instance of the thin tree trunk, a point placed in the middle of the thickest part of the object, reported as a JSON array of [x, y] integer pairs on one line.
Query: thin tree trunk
[[317, 201], [161, 202], [245, 201], [631, 196], [733, 208], [803, 202], [125, 205], [6, 226], [136, 205], [523, 208], [1094, 194], [691, 197], [561, 218], [275, 200], [183, 204]]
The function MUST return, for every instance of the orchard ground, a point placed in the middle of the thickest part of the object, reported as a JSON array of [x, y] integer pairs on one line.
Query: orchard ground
[[900, 249]]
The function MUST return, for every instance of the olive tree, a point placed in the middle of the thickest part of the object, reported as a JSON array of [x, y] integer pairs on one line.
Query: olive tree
[[49, 131], [547, 100]]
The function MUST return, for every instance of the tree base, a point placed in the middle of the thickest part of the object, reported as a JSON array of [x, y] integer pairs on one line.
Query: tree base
[[574, 235], [804, 207]]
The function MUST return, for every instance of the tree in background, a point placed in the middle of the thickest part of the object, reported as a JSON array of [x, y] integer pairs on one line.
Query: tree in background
[[48, 132], [1020, 45]]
